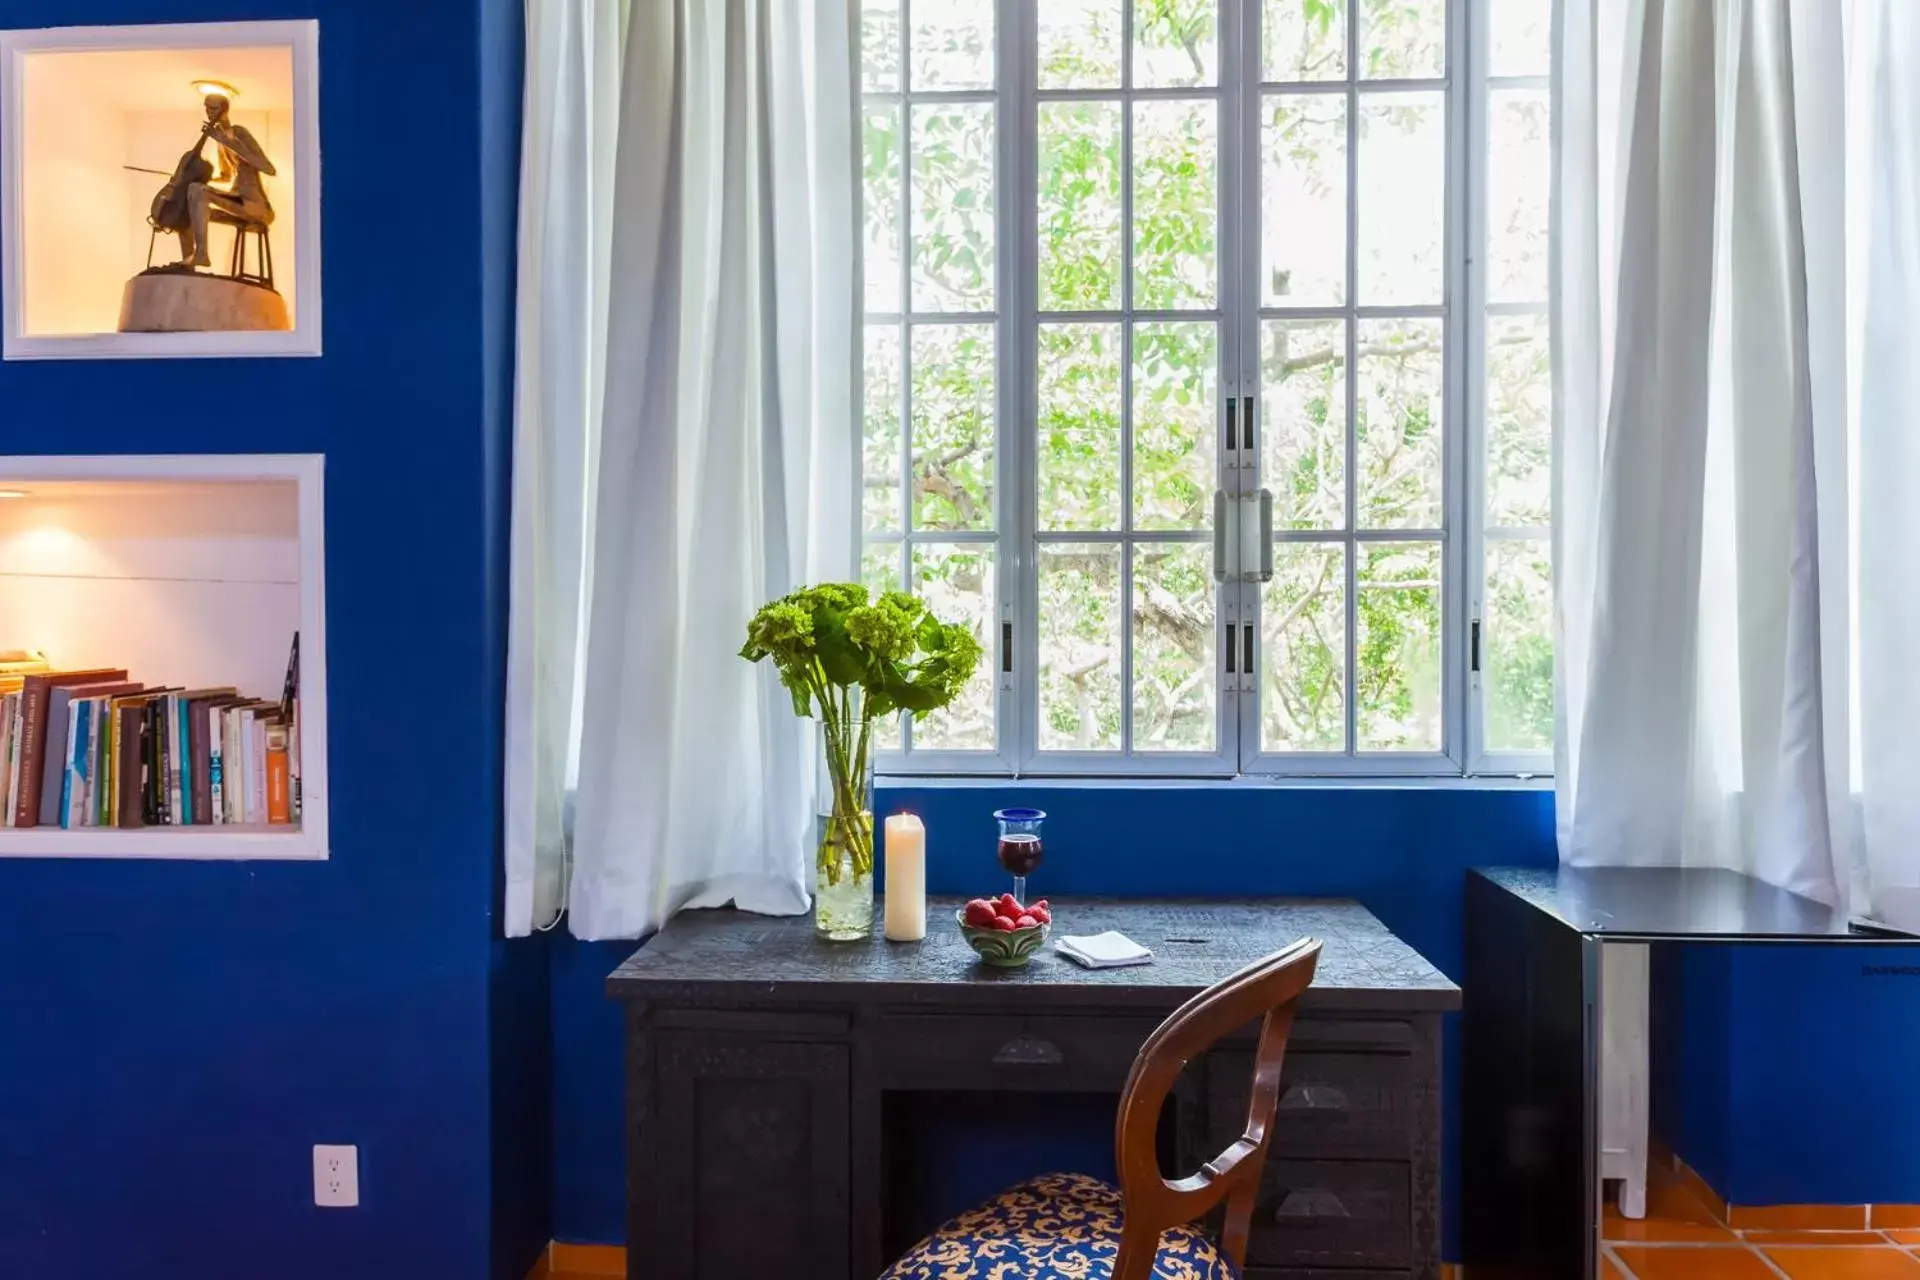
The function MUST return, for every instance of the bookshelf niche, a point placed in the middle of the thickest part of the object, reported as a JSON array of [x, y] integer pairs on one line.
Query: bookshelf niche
[[193, 575]]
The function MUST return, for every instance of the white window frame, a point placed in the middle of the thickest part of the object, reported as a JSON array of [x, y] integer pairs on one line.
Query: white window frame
[[1237, 314]]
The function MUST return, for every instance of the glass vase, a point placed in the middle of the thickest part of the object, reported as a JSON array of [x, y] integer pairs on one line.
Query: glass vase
[[843, 880]]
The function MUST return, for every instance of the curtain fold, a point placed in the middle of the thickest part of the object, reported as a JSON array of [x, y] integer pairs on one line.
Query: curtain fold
[[570, 102], [1714, 445], [726, 469]]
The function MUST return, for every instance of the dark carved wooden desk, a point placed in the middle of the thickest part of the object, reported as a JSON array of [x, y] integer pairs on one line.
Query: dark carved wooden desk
[[759, 1059]]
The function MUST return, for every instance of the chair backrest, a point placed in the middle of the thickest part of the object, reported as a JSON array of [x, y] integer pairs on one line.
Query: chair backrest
[[1266, 989]]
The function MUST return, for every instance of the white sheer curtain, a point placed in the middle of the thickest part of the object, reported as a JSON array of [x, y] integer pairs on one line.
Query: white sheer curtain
[[721, 469], [570, 106], [1706, 454]]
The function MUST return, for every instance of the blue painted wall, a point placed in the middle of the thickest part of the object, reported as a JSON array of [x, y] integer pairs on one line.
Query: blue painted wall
[[1790, 1072], [1402, 851], [175, 1036]]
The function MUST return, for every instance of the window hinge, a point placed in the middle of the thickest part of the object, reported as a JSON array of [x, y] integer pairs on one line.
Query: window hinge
[[1473, 646]]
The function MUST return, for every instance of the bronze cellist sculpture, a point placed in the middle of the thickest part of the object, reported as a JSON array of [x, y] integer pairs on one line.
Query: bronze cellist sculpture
[[230, 183]]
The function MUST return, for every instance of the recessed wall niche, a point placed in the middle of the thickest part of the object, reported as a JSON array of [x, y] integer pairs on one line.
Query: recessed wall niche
[[94, 123]]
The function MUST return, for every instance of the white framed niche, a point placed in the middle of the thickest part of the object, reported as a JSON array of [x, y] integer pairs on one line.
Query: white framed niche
[[190, 572], [85, 113]]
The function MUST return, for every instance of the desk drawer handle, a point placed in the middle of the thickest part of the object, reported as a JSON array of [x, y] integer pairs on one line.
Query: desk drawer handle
[[1024, 1051], [1314, 1097], [1310, 1203]]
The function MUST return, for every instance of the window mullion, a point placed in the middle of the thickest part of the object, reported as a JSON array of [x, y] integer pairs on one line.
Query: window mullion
[[1017, 26]]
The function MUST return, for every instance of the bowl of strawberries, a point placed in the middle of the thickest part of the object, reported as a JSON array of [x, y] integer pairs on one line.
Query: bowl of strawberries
[[1003, 931]]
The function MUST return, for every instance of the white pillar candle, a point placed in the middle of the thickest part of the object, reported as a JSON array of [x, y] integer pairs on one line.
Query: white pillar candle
[[906, 879]]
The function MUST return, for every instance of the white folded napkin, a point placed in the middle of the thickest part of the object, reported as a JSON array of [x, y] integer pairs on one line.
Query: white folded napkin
[[1109, 950]]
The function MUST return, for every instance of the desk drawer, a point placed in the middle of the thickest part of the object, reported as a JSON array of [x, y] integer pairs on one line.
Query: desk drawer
[[1333, 1213], [936, 1051], [1341, 1106]]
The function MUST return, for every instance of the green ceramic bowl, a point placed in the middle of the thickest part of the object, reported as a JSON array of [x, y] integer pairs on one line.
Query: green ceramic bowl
[[1001, 948]]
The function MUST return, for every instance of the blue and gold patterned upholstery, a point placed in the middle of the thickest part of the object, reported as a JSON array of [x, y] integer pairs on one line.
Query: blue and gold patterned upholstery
[[1060, 1226]]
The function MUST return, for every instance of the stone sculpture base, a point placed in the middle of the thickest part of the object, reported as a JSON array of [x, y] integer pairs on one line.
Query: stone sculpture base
[[163, 301]]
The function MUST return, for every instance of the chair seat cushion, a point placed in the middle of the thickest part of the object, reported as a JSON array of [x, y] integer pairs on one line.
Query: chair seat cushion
[[1060, 1226]]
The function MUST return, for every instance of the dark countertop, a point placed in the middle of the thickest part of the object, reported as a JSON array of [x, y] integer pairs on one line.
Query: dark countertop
[[727, 954], [1676, 903]]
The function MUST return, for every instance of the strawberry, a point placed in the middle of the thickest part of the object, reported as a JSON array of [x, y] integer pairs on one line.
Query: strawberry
[[1003, 924], [980, 913], [1009, 906], [1026, 922], [1039, 905], [1041, 914]]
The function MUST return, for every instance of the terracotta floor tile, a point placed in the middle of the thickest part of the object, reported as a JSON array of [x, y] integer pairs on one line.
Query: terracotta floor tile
[[1655, 1263], [1910, 1238], [1798, 1217], [1846, 1264], [1896, 1216], [1662, 1230], [1765, 1238], [1610, 1270]]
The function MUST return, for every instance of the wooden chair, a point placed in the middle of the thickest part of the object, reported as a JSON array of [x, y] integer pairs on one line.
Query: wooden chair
[[1070, 1227]]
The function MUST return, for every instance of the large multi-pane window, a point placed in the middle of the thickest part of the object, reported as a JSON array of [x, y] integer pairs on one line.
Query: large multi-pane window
[[1206, 374]]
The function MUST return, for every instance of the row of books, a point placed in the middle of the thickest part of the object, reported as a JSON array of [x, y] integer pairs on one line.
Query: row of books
[[96, 749]]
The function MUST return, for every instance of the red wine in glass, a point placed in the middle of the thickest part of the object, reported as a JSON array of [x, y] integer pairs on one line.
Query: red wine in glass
[[1020, 853], [1020, 846]]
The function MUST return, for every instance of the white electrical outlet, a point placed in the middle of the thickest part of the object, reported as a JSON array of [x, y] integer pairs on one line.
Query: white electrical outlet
[[336, 1177]]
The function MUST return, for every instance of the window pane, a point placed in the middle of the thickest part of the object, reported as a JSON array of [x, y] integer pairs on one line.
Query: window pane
[[1079, 647], [1175, 43], [1403, 205], [956, 582], [1078, 469], [1303, 421], [953, 198], [1303, 40], [1175, 376], [1517, 646], [1079, 44], [1175, 150], [1303, 655], [1403, 39], [880, 199], [1402, 380], [1079, 202], [880, 463], [1303, 200], [1522, 37], [952, 45], [1397, 663], [879, 45], [880, 571], [1519, 176], [1519, 426], [1174, 676], [953, 420]]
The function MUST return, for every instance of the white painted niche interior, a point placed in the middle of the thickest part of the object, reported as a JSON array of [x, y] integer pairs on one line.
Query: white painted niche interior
[[89, 111], [187, 571]]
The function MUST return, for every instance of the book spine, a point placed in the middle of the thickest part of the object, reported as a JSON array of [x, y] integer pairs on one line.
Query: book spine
[[257, 771], [175, 810], [53, 756], [187, 781], [82, 739], [6, 754], [13, 758], [29, 755], [66, 764], [149, 790], [279, 788], [103, 767], [293, 747], [127, 775], [216, 767]]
